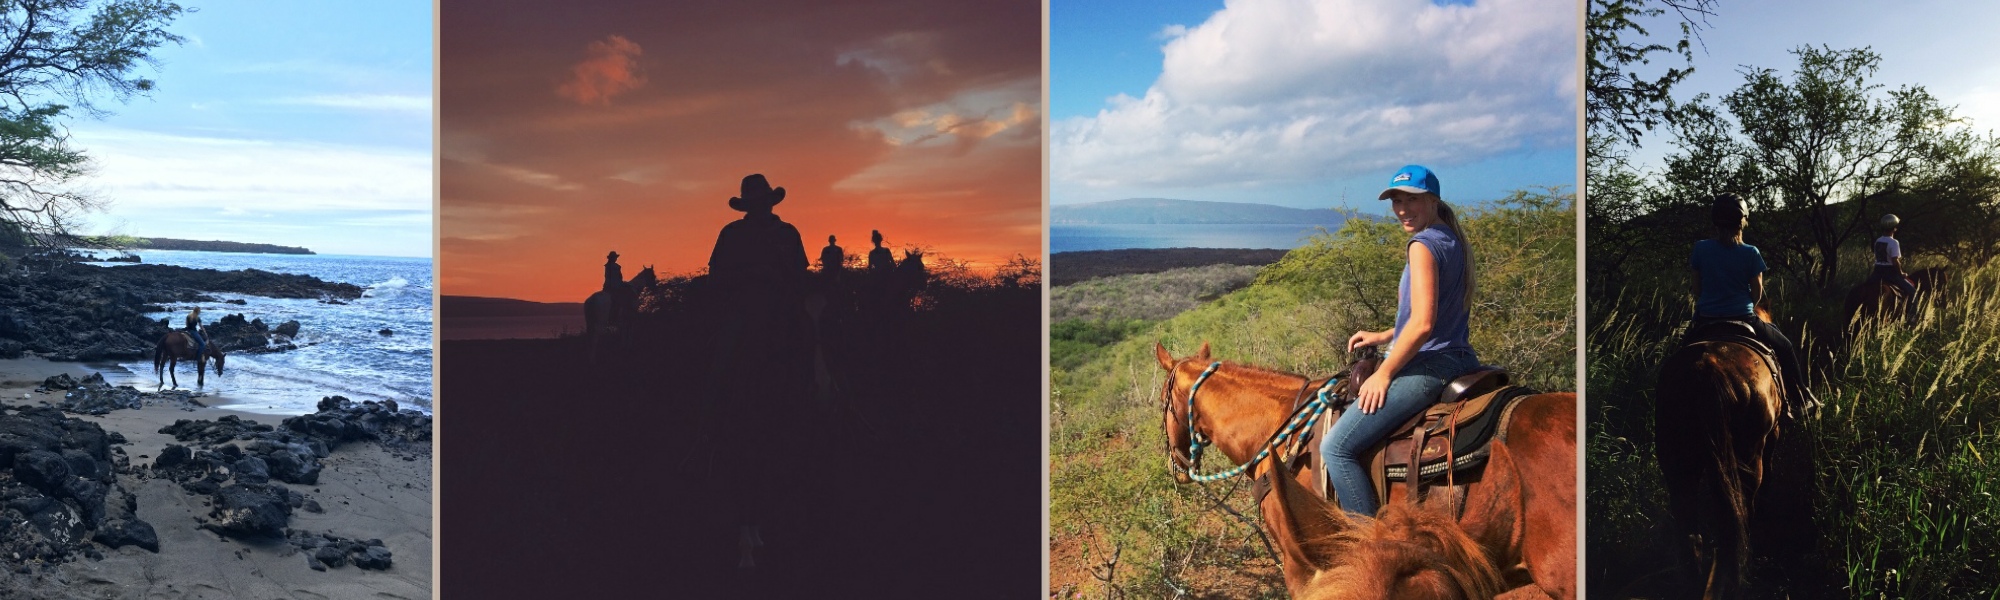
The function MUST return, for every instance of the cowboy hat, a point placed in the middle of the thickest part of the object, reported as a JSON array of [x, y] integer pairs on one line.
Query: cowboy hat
[[757, 192]]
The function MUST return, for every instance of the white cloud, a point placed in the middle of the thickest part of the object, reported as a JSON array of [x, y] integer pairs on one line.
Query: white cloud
[[376, 102], [137, 169], [899, 55], [1282, 91], [964, 119]]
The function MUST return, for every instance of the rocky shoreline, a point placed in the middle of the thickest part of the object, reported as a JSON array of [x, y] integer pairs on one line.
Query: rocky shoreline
[[70, 495], [55, 306]]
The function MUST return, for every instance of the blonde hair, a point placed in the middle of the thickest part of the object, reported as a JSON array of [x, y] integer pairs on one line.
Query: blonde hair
[[1450, 218]]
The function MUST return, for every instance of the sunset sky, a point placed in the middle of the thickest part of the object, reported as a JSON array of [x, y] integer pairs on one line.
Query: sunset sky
[[572, 129]]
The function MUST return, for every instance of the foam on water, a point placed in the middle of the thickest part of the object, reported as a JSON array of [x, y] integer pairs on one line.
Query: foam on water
[[341, 351]]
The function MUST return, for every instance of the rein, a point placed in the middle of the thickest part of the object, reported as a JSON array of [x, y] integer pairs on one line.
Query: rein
[[1303, 416]]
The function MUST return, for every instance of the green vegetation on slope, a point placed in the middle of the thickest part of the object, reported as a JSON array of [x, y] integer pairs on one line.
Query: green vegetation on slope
[[1152, 296]]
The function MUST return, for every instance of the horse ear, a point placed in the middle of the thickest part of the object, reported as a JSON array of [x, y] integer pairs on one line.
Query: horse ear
[[1166, 360], [1203, 353], [1304, 524]]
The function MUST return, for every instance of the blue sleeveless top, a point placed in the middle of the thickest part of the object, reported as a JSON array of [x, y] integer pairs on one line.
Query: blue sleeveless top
[[1450, 327]]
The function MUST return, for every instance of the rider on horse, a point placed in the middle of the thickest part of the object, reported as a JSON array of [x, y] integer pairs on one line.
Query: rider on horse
[[831, 258], [614, 275], [193, 327], [880, 260], [1729, 282], [1889, 258], [1430, 345]]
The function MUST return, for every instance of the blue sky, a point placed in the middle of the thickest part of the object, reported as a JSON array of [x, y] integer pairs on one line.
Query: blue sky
[[1308, 103], [303, 124], [1943, 46]]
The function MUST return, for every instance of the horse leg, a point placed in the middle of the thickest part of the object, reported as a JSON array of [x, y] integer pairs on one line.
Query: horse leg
[[173, 364]]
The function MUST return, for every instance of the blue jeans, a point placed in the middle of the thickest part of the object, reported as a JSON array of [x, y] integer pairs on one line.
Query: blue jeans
[[1414, 389]]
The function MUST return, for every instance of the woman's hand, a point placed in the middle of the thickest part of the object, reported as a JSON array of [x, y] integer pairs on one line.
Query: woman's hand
[[1373, 392], [1363, 339]]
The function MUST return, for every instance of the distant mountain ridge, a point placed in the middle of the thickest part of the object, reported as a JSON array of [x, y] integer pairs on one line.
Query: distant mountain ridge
[[479, 306], [1168, 211], [196, 245]]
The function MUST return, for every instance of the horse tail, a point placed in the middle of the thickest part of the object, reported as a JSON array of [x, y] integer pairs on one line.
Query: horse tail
[[1698, 415]]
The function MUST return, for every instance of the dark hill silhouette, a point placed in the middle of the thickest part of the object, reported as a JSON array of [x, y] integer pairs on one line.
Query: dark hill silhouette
[[480, 306]]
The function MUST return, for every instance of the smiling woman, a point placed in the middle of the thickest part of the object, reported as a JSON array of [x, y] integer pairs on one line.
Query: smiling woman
[[1188, 119]]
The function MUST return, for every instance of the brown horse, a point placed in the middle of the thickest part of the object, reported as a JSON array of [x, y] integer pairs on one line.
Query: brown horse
[[1406, 551], [1874, 298], [1535, 488], [177, 346], [1715, 416]]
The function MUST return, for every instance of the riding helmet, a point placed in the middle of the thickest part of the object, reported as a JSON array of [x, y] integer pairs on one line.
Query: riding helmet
[[1890, 221], [1728, 206]]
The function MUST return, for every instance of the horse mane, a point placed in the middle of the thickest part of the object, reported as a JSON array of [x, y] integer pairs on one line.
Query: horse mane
[[1407, 550], [1259, 375]]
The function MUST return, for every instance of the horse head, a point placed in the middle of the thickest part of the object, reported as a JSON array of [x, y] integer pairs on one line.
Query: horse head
[[216, 353], [645, 279], [1181, 375], [1930, 279], [1407, 551], [912, 266]]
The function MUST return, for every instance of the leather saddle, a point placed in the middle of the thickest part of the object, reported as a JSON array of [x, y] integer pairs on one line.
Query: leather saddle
[[1726, 330], [1451, 437], [1731, 331]]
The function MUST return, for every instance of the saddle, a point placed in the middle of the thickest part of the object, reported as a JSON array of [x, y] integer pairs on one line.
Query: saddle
[[1737, 332], [1707, 331], [1453, 436]]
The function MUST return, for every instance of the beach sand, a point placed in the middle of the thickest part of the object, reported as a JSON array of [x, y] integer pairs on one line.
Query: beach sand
[[366, 493]]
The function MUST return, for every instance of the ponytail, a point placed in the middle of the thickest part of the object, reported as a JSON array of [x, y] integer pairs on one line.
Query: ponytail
[[1450, 218]]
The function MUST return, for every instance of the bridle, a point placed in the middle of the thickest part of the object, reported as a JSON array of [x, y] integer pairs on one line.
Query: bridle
[[1303, 416]]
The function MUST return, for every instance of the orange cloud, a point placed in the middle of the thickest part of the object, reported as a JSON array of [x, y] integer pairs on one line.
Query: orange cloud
[[611, 69]]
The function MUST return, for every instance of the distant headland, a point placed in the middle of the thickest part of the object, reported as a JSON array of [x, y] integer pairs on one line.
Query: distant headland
[[138, 243]]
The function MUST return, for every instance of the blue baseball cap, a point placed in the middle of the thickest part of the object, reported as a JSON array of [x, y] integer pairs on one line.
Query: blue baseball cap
[[1415, 179]]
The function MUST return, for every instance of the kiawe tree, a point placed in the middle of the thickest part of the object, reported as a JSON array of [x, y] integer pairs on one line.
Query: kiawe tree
[[1815, 149], [57, 58], [1626, 95]]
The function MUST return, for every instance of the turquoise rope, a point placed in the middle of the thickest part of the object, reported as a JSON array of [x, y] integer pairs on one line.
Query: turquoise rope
[[1304, 418]]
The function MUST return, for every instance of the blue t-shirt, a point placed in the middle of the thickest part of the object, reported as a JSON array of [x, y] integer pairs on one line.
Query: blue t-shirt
[[1450, 326], [1726, 272]]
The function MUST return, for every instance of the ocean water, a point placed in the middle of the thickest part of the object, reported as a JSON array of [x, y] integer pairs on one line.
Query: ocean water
[[340, 350], [1070, 238]]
